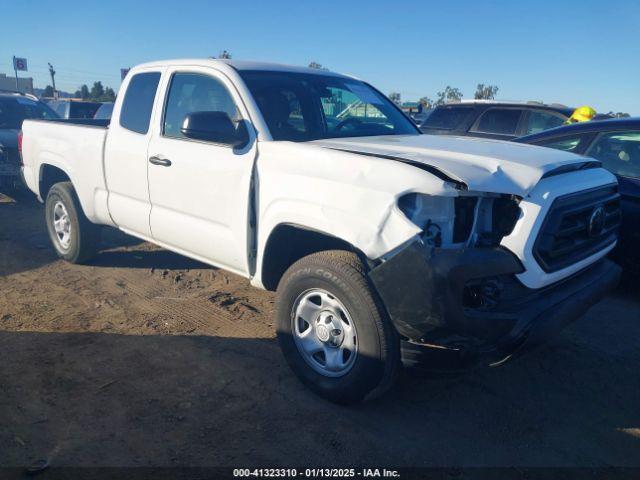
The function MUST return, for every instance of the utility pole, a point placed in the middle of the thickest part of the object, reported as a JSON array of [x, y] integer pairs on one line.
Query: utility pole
[[52, 72], [15, 70]]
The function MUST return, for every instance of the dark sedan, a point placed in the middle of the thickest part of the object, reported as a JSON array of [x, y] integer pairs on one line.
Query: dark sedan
[[14, 108], [616, 143]]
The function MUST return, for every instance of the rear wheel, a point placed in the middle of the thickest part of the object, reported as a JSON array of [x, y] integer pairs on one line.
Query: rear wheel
[[332, 329], [74, 237]]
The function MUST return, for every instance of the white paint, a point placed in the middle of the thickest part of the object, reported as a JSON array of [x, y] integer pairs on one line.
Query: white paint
[[77, 151], [484, 165], [199, 206]]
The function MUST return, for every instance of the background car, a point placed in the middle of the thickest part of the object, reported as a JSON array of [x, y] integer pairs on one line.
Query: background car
[[420, 118], [14, 108], [491, 119], [104, 112], [74, 108], [616, 143]]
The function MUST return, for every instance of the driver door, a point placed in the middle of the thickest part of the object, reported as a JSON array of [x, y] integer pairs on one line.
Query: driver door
[[199, 190]]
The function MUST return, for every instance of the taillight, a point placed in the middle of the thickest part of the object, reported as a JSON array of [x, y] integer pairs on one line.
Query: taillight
[[20, 145]]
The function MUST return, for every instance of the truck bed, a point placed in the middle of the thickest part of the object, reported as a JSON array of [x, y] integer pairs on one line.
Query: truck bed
[[74, 146], [89, 122]]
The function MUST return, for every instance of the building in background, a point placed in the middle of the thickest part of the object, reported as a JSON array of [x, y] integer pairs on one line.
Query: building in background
[[411, 107], [25, 84]]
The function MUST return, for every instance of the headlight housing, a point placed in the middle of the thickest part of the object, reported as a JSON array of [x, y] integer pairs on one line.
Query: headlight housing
[[434, 215], [463, 221]]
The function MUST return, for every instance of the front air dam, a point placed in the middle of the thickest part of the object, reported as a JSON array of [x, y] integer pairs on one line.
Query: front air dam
[[426, 293]]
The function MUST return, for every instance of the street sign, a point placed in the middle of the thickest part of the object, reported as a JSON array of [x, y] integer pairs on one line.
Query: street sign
[[20, 64]]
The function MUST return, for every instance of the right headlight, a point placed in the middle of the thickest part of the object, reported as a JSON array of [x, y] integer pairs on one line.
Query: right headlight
[[434, 215], [456, 222]]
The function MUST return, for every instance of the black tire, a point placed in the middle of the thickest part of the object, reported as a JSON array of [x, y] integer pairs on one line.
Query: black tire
[[343, 275], [84, 235]]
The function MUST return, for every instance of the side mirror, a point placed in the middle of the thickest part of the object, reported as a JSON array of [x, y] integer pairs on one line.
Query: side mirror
[[214, 127]]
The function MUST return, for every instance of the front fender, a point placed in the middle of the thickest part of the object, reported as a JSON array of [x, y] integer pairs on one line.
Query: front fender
[[373, 235], [350, 197]]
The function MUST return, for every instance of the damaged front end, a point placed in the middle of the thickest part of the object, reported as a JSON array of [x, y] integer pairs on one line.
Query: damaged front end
[[455, 287]]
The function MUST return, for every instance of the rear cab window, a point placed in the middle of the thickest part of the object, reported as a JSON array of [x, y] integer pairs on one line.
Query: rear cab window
[[137, 105], [448, 118]]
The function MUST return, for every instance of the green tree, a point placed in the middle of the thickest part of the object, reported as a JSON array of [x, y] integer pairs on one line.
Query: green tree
[[426, 102], [485, 92], [395, 98], [449, 94], [83, 93], [109, 95], [317, 66], [48, 91], [618, 114], [97, 91]]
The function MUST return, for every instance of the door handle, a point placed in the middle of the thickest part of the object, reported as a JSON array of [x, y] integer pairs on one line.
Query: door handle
[[164, 162]]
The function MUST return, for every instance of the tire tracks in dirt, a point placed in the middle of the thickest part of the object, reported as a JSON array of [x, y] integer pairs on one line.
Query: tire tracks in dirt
[[202, 314]]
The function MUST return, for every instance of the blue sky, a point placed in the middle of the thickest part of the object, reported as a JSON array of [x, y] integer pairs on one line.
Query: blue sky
[[571, 52]]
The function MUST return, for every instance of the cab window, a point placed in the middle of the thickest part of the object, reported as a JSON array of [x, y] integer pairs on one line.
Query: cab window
[[137, 105], [619, 152], [284, 111], [195, 92]]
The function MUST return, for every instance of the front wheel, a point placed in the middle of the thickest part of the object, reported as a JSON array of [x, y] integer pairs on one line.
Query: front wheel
[[74, 237], [333, 330]]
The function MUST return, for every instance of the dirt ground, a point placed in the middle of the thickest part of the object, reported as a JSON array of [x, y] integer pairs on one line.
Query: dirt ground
[[145, 358]]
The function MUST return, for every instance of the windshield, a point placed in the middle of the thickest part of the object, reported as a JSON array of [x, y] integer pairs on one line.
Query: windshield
[[13, 110], [303, 106]]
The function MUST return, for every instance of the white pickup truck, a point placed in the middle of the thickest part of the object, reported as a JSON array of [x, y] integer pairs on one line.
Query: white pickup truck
[[382, 243]]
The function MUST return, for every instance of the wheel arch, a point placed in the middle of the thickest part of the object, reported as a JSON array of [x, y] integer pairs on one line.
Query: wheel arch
[[48, 176], [289, 242]]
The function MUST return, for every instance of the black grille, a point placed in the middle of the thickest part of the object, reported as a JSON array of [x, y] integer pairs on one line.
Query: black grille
[[577, 226]]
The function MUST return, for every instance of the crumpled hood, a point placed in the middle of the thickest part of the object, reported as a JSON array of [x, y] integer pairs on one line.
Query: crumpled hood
[[481, 164]]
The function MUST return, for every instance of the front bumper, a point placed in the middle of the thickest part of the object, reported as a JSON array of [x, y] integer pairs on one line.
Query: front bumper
[[469, 301]]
